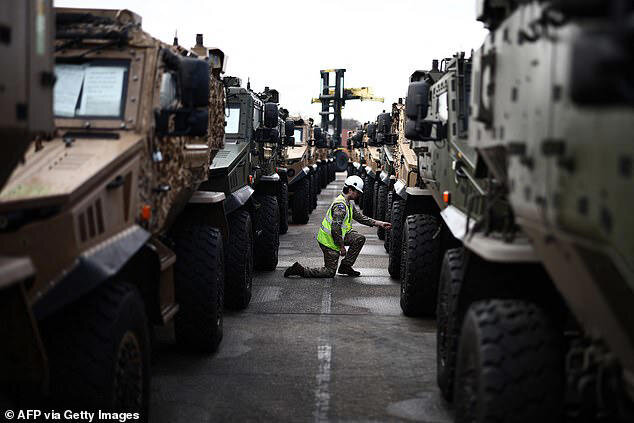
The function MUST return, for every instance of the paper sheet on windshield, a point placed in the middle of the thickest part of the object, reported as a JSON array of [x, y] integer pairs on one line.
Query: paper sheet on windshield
[[67, 89], [103, 88]]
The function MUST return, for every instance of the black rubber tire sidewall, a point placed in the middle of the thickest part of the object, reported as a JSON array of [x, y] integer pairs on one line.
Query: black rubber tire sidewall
[[82, 342], [388, 218], [239, 261], [511, 358], [199, 282], [300, 209], [380, 209], [420, 265], [283, 203], [448, 319], [398, 219], [268, 242]]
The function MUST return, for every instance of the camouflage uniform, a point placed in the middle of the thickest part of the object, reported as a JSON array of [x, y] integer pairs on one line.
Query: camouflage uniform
[[353, 239]]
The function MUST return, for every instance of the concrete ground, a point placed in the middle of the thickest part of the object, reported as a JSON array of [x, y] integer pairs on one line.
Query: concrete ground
[[308, 349]]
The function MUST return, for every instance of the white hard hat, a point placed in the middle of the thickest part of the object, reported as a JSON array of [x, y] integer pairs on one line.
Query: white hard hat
[[355, 182]]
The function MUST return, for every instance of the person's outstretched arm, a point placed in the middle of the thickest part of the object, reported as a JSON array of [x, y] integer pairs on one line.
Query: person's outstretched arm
[[368, 221]]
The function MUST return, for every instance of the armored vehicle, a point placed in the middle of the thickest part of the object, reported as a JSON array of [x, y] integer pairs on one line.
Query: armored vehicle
[[298, 168], [103, 221], [356, 149], [371, 172], [521, 235]]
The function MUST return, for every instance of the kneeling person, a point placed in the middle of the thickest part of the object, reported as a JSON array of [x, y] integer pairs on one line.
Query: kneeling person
[[336, 233]]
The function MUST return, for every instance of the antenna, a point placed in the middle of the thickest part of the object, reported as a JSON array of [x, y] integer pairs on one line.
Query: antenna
[[175, 37], [248, 83]]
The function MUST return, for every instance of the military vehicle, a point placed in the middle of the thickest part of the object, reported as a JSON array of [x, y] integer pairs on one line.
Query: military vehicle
[[522, 234], [404, 194], [356, 151], [356, 148], [104, 229], [246, 171], [297, 170]]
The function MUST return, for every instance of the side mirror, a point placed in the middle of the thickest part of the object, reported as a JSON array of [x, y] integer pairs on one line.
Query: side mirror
[[289, 128], [417, 103], [290, 141], [194, 81], [191, 123], [271, 115], [421, 131]]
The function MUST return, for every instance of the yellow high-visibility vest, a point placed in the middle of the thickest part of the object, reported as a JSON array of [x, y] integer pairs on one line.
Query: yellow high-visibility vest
[[324, 235]]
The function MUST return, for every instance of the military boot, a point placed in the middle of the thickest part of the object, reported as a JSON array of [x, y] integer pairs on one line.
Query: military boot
[[295, 270], [347, 270]]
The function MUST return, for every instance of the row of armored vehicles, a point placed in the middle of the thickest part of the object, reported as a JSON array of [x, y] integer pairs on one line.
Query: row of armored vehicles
[[506, 177], [140, 187]]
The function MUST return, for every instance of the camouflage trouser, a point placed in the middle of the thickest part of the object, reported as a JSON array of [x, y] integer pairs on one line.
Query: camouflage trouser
[[331, 257]]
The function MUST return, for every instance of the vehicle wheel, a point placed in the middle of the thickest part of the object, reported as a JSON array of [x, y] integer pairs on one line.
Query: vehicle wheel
[[311, 200], [375, 199], [283, 203], [199, 276], [324, 176], [267, 242], [448, 319], [239, 261], [300, 207], [99, 351], [368, 189], [388, 218], [510, 365], [398, 219], [420, 265], [380, 209]]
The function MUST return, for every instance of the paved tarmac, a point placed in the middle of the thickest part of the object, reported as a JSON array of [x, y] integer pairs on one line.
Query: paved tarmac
[[308, 349]]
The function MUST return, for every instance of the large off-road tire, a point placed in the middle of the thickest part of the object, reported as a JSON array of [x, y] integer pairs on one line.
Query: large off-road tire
[[324, 175], [368, 195], [199, 275], [282, 201], [398, 219], [239, 261], [300, 208], [510, 365], [448, 319], [420, 265], [388, 218], [380, 209], [313, 193], [99, 351], [267, 242]]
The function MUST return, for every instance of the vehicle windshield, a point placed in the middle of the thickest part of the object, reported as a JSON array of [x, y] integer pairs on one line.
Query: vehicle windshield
[[297, 134], [232, 117], [443, 107], [95, 89]]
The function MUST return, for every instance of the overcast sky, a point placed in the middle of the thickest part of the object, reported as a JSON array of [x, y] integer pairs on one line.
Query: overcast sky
[[284, 43]]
